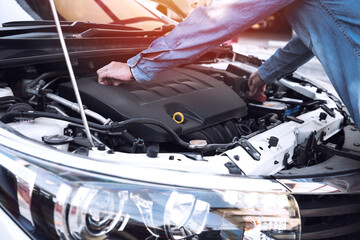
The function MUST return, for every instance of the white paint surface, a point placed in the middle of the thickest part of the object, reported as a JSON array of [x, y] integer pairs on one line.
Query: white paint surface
[[9, 230]]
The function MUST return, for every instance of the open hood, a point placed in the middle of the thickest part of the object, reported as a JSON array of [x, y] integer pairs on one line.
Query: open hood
[[183, 7], [130, 13]]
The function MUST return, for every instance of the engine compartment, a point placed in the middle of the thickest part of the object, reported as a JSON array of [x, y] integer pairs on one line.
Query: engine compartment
[[198, 100], [198, 111]]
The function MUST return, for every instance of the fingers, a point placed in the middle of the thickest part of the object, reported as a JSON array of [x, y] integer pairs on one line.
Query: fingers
[[251, 84], [102, 78], [263, 88], [105, 78], [103, 69], [256, 84], [114, 74], [102, 75]]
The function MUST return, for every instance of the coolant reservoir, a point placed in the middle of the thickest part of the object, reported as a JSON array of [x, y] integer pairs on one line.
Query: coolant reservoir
[[40, 127]]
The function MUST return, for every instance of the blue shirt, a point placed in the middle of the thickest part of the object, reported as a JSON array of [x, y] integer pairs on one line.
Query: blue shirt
[[328, 29], [204, 29]]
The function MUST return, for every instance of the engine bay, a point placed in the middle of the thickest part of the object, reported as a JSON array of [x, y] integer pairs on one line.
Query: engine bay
[[195, 114], [199, 101]]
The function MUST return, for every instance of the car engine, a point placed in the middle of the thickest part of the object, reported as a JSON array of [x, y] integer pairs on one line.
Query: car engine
[[199, 101], [197, 110]]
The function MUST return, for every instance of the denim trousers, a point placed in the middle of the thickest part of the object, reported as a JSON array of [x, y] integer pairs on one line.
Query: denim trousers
[[328, 29]]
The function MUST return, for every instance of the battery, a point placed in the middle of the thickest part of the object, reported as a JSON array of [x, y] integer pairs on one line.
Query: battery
[[281, 109]]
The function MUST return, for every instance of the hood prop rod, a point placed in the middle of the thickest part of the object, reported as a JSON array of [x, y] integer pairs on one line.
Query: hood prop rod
[[71, 73]]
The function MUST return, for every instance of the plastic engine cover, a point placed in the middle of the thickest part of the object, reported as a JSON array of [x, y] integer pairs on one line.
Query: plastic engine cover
[[201, 99]]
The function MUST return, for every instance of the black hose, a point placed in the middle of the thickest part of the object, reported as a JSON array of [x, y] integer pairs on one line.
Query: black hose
[[35, 81], [9, 117], [152, 122]]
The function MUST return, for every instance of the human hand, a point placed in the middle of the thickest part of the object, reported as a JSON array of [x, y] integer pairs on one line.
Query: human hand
[[256, 84], [114, 74]]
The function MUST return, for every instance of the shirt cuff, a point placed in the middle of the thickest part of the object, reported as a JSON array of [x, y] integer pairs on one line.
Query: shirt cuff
[[144, 69], [139, 71], [267, 73]]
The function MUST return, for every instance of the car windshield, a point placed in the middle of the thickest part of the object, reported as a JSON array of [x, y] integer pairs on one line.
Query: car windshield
[[132, 13]]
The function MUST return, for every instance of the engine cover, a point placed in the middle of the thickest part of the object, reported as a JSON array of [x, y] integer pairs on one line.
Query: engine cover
[[203, 101]]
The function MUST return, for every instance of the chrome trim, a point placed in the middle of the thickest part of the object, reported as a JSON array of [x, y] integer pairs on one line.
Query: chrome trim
[[81, 200], [124, 222], [336, 184], [25, 179], [145, 209], [25, 187], [62, 197]]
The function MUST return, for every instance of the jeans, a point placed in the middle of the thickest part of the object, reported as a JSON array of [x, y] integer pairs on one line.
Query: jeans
[[328, 29]]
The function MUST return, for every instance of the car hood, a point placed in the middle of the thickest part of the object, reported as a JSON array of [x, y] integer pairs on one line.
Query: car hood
[[183, 7]]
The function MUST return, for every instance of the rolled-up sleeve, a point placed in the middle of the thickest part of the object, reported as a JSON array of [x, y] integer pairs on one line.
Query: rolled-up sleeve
[[204, 29], [285, 60]]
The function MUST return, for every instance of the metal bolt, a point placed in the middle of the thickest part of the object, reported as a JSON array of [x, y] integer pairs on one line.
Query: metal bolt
[[68, 132]]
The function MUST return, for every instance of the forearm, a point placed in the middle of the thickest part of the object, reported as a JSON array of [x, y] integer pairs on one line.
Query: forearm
[[285, 60], [204, 29]]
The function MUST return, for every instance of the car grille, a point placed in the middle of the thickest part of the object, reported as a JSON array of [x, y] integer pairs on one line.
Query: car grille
[[330, 216]]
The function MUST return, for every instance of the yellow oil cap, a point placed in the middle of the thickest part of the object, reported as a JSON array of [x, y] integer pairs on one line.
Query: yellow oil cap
[[178, 117]]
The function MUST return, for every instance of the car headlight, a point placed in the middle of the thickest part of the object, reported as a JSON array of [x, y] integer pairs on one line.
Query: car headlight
[[58, 202]]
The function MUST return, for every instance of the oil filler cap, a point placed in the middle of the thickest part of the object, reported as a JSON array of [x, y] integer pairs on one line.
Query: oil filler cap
[[178, 117], [57, 139]]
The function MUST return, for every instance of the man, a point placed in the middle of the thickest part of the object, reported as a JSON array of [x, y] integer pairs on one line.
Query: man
[[328, 29]]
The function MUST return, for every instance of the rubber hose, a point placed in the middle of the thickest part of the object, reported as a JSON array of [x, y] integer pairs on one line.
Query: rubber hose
[[9, 117]]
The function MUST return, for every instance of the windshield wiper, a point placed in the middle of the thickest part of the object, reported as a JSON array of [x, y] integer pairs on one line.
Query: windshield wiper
[[33, 23], [75, 24], [13, 28]]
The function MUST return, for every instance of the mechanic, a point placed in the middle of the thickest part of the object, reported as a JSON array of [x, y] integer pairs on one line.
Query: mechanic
[[328, 29]]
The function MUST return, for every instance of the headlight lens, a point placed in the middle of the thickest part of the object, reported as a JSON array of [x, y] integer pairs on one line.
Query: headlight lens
[[77, 205], [94, 213], [185, 215]]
